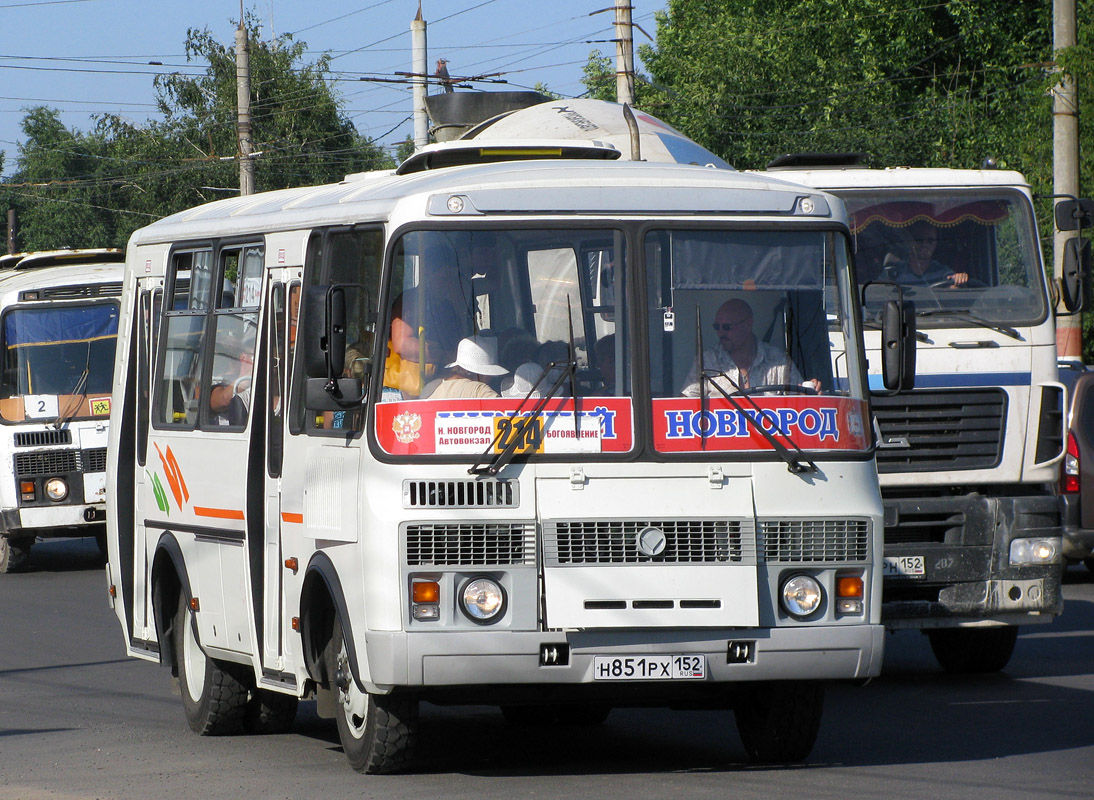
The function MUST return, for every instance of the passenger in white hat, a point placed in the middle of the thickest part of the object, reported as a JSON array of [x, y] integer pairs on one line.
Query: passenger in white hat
[[524, 378], [476, 357]]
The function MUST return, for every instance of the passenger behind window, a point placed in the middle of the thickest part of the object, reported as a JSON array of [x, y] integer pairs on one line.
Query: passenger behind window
[[230, 396], [476, 363], [427, 323], [523, 379], [604, 351], [747, 362]]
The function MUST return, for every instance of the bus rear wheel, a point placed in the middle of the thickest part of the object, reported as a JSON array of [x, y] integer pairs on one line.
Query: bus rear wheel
[[14, 553], [378, 732], [778, 722], [966, 651], [214, 697]]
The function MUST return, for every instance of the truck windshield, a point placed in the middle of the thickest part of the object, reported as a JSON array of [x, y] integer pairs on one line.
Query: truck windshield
[[52, 351], [479, 321], [750, 330], [966, 258]]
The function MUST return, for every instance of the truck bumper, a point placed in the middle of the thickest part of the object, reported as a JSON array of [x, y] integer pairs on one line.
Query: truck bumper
[[968, 579]]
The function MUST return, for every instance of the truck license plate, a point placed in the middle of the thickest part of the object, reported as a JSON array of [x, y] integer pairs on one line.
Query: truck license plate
[[903, 567], [649, 668]]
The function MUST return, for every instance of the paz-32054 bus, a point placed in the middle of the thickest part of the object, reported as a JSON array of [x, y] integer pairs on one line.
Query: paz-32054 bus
[[469, 436], [58, 327]]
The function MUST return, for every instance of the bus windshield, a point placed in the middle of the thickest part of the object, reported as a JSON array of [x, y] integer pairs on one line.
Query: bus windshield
[[964, 257], [515, 342], [54, 350]]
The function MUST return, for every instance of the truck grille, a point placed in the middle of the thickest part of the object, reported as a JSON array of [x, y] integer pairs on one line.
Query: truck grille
[[927, 430], [472, 544], [615, 542], [792, 541]]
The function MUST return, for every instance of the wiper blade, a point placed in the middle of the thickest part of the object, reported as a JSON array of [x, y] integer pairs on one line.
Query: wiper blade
[[874, 325], [796, 461], [79, 389], [501, 458], [968, 316]]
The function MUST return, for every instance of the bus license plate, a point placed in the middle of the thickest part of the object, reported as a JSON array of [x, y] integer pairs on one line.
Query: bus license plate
[[903, 567], [649, 668]]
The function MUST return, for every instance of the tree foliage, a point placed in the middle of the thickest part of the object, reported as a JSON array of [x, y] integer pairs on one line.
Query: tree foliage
[[77, 189]]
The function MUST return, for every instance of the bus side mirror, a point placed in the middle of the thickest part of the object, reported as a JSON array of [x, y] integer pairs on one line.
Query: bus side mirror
[[898, 345], [1075, 281], [324, 331]]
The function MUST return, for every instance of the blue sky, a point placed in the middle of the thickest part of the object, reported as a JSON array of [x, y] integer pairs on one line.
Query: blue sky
[[86, 57]]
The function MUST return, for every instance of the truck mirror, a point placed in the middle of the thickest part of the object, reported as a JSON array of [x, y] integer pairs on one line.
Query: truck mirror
[[898, 345], [1075, 214], [324, 322], [1075, 281]]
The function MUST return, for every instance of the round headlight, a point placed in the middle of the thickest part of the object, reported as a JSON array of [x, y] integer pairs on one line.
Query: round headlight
[[802, 595], [482, 599], [56, 489]]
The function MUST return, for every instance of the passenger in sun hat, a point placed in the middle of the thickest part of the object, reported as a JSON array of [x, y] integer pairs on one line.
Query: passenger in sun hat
[[476, 358], [524, 378]]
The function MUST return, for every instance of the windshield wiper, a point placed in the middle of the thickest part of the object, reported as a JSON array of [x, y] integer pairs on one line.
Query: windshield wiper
[[968, 316], [519, 433], [79, 389], [874, 325]]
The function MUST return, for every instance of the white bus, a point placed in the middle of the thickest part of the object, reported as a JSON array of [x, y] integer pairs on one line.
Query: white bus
[[58, 327], [430, 437]]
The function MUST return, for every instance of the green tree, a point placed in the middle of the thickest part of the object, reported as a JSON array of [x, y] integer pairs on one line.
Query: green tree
[[93, 189]]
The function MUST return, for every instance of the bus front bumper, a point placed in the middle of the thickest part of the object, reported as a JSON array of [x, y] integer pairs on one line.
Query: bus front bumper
[[500, 658]]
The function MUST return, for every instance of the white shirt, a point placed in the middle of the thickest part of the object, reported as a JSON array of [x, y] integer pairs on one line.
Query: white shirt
[[770, 366]]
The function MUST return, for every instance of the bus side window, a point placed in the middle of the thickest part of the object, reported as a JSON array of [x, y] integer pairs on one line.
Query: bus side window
[[183, 325], [227, 387]]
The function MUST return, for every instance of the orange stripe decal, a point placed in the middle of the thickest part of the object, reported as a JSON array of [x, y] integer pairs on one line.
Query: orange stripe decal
[[288, 516], [218, 513]]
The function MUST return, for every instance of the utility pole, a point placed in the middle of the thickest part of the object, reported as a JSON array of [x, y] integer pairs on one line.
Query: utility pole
[[12, 232], [624, 53], [243, 109], [1065, 163], [418, 68]]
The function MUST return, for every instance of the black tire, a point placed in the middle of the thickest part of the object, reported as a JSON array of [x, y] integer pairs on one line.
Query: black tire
[[966, 651], [380, 737], [778, 722], [214, 694], [14, 553], [270, 712]]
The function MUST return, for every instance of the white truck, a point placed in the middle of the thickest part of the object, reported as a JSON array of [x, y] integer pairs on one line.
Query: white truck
[[968, 460]]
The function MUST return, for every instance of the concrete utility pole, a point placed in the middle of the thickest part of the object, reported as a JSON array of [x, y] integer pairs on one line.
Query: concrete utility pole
[[243, 109], [418, 68], [624, 53], [1065, 163], [12, 232]]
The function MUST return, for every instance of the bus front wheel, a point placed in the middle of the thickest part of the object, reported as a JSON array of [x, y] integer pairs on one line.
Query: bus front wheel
[[214, 697], [377, 732], [778, 722], [14, 553]]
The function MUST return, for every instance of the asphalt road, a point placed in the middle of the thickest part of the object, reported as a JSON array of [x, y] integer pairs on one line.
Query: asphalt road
[[80, 720]]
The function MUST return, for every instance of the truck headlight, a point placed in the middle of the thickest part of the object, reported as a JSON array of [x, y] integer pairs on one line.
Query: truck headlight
[[482, 599], [1034, 551], [56, 489], [801, 596]]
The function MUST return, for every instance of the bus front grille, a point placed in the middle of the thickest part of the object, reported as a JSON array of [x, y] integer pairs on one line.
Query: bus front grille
[[93, 460], [52, 462], [793, 541], [460, 494], [473, 544], [43, 438], [577, 542]]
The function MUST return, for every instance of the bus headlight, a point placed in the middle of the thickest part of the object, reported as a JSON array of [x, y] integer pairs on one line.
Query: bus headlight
[[801, 596], [482, 599], [1034, 551], [56, 489]]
